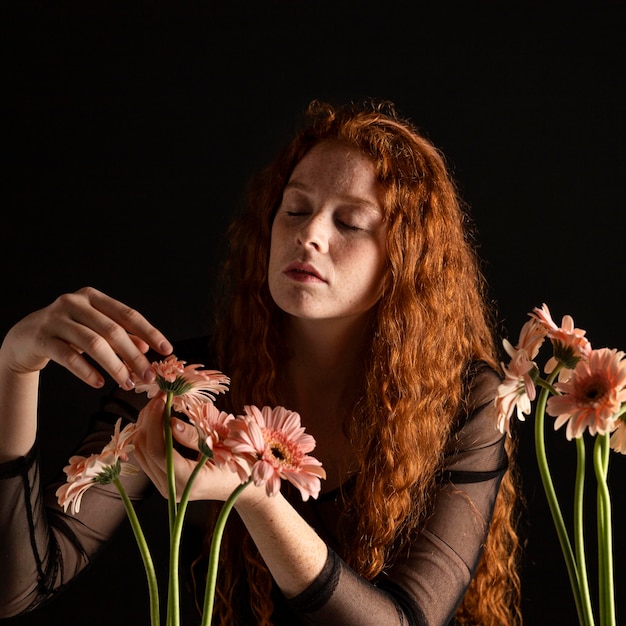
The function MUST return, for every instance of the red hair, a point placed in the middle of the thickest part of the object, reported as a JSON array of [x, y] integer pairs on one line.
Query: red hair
[[433, 321]]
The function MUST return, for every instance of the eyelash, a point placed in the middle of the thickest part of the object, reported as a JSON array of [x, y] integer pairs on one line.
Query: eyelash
[[349, 226], [342, 224]]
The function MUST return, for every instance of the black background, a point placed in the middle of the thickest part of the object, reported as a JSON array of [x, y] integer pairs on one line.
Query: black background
[[130, 128]]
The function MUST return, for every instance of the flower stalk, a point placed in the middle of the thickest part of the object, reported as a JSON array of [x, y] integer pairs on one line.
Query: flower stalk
[[144, 551], [584, 390], [173, 609], [578, 582], [605, 533], [216, 541], [262, 446]]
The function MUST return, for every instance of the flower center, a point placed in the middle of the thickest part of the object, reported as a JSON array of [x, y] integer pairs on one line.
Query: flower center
[[594, 391], [277, 453], [282, 451]]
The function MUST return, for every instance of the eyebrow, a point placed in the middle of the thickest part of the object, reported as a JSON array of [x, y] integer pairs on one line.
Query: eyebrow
[[353, 200]]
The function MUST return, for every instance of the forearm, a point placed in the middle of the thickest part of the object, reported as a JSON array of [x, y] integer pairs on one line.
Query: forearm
[[293, 552], [18, 414]]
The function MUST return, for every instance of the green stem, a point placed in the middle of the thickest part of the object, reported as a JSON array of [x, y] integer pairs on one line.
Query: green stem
[[173, 587], [169, 460], [605, 533], [145, 553], [579, 524], [216, 540], [584, 610], [172, 596]]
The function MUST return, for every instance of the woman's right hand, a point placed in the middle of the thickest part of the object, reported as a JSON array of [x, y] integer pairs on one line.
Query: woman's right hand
[[86, 323]]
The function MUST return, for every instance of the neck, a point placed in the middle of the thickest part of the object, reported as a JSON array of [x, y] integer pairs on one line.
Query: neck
[[326, 361], [328, 343], [323, 381]]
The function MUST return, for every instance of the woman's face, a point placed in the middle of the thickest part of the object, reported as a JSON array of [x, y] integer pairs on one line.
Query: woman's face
[[327, 251]]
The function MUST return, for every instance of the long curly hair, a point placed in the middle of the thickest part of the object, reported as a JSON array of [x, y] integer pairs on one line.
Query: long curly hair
[[433, 321]]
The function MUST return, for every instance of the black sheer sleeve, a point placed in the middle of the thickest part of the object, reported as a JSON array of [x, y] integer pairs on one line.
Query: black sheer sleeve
[[42, 548], [426, 587]]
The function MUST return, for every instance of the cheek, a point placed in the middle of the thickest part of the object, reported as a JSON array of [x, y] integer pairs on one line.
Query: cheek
[[378, 271], [368, 271]]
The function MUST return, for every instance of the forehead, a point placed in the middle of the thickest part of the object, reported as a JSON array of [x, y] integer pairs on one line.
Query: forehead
[[337, 152], [337, 165]]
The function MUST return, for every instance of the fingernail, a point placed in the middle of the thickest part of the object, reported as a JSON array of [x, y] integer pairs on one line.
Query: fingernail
[[129, 384], [149, 375]]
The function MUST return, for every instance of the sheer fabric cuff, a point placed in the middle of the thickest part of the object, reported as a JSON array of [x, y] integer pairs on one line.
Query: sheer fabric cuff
[[321, 589]]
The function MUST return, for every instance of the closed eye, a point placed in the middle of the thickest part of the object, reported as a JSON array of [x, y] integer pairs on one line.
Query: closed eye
[[347, 226]]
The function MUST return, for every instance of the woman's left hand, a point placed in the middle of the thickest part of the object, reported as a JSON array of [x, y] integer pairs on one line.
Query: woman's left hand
[[211, 483]]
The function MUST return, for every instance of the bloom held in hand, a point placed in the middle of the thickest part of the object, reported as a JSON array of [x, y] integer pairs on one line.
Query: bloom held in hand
[[213, 428], [277, 446], [188, 384], [262, 446]]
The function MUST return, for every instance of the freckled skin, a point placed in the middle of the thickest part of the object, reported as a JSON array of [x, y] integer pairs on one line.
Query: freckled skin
[[330, 224]]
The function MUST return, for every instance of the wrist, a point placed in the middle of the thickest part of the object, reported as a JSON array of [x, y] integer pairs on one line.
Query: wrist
[[252, 497]]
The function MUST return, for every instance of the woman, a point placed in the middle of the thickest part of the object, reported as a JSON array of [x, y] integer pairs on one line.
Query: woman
[[353, 276]]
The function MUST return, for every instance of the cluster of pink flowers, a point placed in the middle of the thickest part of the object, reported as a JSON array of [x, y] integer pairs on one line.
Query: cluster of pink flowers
[[262, 446], [584, 389], [265, 445], [591, 385]]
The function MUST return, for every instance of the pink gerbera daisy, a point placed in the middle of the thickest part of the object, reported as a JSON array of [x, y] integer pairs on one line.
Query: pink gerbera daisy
[[121, 440], [570, 344], [213, 428], [83, 472], [188, 384], [592, 396], [531, 338], [517, 390], [618, 438], [276, 445]]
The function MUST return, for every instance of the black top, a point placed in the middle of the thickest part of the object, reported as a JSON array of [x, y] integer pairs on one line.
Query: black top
[[42, 548]]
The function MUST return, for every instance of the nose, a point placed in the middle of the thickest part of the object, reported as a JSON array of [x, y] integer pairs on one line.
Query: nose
[[315, 233]]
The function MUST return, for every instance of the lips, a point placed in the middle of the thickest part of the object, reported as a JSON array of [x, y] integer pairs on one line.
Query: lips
[[303, 272]]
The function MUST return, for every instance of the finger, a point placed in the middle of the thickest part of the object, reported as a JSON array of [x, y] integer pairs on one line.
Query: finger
[[130, 319], [125, 330], [70, 357], [140, 343], [152, 460], [77, 342], [185, 434], [150, 454], [152, 413], [97, 325]]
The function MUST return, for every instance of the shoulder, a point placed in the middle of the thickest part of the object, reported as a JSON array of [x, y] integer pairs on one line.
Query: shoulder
[[481, 384], [477, 447], [476, 418]]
